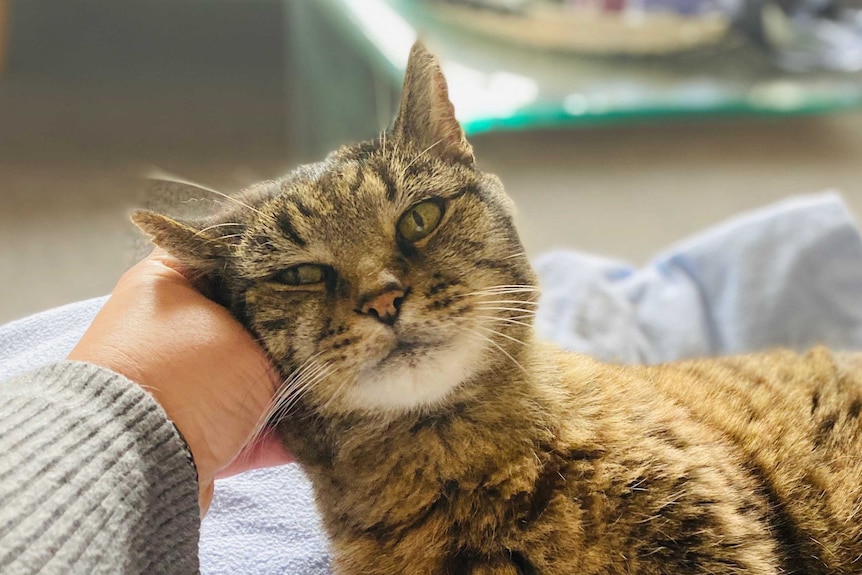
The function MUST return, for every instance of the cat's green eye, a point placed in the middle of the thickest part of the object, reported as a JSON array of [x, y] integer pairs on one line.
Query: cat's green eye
[[420, 220], [301, 275]]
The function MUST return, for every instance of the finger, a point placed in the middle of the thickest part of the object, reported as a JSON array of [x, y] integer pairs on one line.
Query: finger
[[205, 497], [265, 452], [166, 262]]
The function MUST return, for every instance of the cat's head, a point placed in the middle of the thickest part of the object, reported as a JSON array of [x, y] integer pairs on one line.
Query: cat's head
[[382, 279]]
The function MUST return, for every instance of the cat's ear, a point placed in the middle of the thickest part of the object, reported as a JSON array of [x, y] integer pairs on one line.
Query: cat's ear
[[426, 117], [195, 246]]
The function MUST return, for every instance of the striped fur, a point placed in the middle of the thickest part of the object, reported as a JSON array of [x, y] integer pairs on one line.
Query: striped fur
[[453, 442]]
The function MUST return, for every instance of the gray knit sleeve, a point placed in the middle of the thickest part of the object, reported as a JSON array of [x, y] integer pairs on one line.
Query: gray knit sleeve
[[94, 478]]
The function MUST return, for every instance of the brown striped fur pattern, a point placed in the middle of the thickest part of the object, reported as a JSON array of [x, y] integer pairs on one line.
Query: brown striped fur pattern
[[442, 438]]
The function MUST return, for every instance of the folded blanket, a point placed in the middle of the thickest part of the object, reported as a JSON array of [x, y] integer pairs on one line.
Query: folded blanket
[[785, 275], [789, 274]]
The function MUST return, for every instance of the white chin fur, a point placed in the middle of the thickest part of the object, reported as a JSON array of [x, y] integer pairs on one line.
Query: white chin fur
[[402, 387]]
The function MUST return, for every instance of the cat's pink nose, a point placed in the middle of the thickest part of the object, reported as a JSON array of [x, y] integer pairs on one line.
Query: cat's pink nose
[[384, 307]]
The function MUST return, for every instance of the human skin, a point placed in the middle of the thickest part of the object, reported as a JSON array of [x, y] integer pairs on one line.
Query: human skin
[[207, 372]]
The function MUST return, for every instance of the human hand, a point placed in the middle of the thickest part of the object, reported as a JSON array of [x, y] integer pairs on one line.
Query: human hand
[[200, 364]]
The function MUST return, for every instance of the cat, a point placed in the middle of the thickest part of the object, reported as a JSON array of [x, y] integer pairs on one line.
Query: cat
[[390, 288]]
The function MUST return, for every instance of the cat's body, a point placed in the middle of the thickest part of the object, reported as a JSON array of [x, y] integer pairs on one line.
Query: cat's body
[[390, 288], [739, 465]]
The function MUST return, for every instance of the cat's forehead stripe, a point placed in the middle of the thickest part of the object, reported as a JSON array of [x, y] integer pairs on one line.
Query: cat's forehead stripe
[[302, 208], [357, 180], [285, 224], [388, 183], [348, 175]]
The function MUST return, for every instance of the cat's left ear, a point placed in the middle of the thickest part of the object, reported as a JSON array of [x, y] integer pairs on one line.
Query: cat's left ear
[[197, 247], [426, 117]]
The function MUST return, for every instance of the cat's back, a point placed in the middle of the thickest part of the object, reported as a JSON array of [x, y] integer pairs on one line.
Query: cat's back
[[791, 413], [809, 402], [789, 422]]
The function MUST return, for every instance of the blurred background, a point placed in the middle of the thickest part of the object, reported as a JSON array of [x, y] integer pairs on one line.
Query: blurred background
[[618, 126]]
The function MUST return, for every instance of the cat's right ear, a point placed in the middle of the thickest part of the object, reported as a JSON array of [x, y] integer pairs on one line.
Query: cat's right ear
[[426, 117], [196, 247]]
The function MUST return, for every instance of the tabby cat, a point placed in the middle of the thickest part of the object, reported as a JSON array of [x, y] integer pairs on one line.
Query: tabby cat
[[390, 288]]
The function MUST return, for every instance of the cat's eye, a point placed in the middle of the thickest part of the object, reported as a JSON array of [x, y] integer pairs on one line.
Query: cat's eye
[[301, 275], [420, 220]]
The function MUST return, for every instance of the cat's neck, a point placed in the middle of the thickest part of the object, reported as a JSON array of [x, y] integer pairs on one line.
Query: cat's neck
[[509, 410]]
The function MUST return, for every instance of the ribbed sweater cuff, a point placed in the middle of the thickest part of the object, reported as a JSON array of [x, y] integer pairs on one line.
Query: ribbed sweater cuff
[[94, 478]]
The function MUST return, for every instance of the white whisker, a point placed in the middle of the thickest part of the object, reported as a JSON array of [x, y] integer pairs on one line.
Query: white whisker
[[291, 401], [512, 289], [337, 395], [208, 228], [500, 286], [225, 237], [293, 388], [501, 290], [501, 334], [498, 293], [506, 319], [497, 308], [383, 104], [166, 177], [418, 157], [284, 389], [495, 344]]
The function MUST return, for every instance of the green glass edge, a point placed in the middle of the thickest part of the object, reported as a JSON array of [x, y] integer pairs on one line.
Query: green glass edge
[[557, 117]]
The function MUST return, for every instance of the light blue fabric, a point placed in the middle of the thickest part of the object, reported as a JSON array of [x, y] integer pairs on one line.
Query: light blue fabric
[[264, 522], [789, 274], [786, 275], [45, 337]]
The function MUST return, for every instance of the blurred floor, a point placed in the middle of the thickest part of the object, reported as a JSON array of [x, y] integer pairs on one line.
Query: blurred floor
[[629, 191], [624, 191], [72, 153], [65, 229]]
